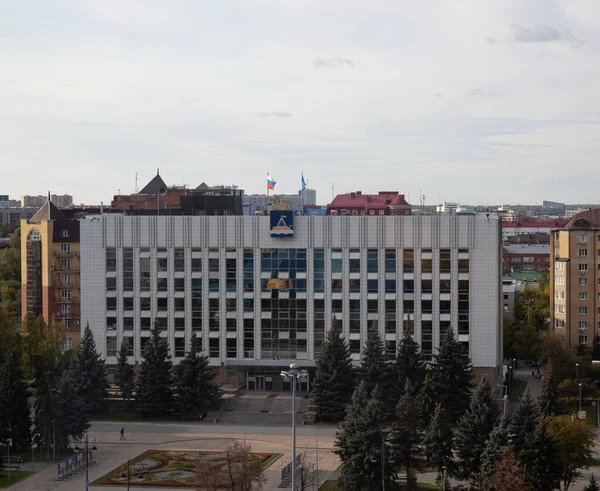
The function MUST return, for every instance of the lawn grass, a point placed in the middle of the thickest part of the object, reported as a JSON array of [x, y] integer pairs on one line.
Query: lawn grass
[[517, 387], [15, 476]]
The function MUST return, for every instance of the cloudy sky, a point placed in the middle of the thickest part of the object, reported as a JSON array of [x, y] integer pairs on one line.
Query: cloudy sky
[[476, 101]]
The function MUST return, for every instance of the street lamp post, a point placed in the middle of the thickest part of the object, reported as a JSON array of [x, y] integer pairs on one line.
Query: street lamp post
[[53, 442], [579, 397], [32, 447], [87, 453], [577, 371], [294, 374], [8, 445], [443, 478]]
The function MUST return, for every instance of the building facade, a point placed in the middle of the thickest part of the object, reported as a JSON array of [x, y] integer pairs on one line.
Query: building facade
[[258, 302], [527, 257], [50, 269], [575, 279], [60, 201], [380, 204], [256, 203], [12, 216]]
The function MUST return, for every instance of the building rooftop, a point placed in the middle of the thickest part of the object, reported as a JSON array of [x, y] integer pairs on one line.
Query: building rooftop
[[359, 200], [532, 224], [525, 276], [48, 211], [527, 248], [584, 220], [155, 186]]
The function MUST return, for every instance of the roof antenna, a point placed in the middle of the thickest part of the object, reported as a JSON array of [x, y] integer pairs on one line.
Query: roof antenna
[[48, 195], [157, 171]]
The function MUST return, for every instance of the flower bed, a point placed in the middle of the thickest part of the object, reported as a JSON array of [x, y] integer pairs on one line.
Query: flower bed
[[170, 468]]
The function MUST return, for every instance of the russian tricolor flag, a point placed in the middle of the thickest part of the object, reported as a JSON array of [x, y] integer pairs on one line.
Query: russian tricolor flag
[[270, 182]]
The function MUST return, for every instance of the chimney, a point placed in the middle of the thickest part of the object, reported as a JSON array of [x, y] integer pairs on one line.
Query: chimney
[[353, 195], [358, 193]]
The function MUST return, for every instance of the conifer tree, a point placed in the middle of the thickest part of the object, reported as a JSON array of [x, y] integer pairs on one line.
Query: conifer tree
[[451, 376], [496, 447], [15, 400], [70, 414], [474, 429], [592, 485], [406, 435], [360, 440], [524, 422], [124, 375], [542, 459], [194, 389], [426, 398], [375, 371], [437, 442], [334, 381], [153, 393], [90, 374], [549, 398], [410, 364]]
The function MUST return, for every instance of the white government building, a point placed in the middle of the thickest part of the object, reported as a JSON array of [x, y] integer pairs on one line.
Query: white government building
[[258, 303]]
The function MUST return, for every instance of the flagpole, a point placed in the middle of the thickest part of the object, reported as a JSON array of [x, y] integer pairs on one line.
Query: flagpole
[[268, 177], [302, 192]]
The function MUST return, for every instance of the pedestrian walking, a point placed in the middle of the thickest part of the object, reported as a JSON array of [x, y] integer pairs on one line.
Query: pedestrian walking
[[122, 434]]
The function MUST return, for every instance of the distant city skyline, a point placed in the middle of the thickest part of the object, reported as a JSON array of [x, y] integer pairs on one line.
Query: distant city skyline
[[492, 102]]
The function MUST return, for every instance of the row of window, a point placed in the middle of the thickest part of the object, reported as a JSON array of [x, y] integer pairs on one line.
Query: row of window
[[560, 295]]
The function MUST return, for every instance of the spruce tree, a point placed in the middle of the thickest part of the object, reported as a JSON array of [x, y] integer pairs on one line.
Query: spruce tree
[[524, 422], [334, 381], [90, 374], [437, 442], [193, 385], [496, 447], [542, 459], [375, 371], [124, 375], [426, 398], [410, 364], [153, 393], [474, 429], [592, 485], [360, 440], [71, 418], [596, 348], [451, 376], [406, 435], [549, 398], [15, 404]]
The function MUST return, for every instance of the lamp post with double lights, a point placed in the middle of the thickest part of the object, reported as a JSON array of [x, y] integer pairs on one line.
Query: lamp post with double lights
[[384, 458], [294, 374], [32, 448], [86, 448]]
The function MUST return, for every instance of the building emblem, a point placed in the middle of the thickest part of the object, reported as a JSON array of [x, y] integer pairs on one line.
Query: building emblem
[[282, 223]]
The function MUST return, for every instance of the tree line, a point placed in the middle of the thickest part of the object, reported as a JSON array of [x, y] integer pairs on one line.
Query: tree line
[[403, 414]]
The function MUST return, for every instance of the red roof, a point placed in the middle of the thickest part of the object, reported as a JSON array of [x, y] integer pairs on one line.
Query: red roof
[[359, 200], [556, 224]]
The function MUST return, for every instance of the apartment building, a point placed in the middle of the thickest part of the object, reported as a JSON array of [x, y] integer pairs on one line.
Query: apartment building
[[575, 279], [50, 269], [260, 292]]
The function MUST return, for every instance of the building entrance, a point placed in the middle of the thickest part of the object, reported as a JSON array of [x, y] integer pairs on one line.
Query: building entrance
[[270, 379]]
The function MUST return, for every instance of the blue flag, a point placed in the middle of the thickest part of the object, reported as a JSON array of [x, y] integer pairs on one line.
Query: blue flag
[[303, 182]]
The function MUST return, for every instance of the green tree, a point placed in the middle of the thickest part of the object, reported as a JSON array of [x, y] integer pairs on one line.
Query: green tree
[[451, 376], [406, 435], [410, 364], [124, 375], [533, 308], [334, 381], [153, 393], [437, 442], [474, 429], [375, 371], [496, 447], [525, 421], [596, 348], [16, 417], [71, 418], [194, 389], [426, 398], [576, 439], [541, 459], [360, 440], [90, 374], [549, 398], [509, 475], [592, 485]]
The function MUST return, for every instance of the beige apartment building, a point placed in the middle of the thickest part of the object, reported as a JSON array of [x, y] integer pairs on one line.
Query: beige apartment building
[[575, 279]]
